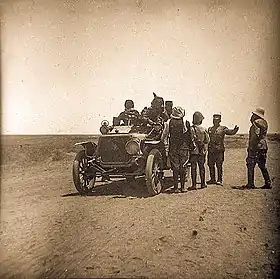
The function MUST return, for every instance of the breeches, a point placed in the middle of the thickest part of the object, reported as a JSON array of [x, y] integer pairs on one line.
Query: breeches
[[257, 157], [178, 157], [216, 158], [197, 159]]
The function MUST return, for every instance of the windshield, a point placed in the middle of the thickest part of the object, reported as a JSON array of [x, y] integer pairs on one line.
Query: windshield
[[121, 129], [130, 129]]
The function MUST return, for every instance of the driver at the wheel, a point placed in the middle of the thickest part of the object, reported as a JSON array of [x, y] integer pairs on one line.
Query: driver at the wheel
[[175, 131], [130, 115]]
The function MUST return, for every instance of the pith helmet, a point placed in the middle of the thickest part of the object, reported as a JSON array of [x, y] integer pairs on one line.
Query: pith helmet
[[197, 117], [177, 113], [259, 112]]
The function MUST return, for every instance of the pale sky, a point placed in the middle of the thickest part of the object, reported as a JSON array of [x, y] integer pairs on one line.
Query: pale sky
[[67, 65]]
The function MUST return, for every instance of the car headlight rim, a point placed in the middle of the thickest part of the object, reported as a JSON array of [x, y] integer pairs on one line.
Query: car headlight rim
[[132, 147]]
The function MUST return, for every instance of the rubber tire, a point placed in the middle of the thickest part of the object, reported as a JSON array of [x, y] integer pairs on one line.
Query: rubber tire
[[154, 157], [76, 174]]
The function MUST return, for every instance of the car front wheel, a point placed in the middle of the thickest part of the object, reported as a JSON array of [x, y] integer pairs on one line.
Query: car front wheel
[[154, 172], [84, 182]]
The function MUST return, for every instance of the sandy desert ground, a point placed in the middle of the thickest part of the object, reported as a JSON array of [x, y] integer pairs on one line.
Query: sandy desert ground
[[49, 231]]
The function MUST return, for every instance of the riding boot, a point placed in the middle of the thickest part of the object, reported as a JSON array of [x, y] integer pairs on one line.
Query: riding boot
[[266, 177], [212, 174], [175, 180], [182, 179], [202, 176], [193, 176], [220, 174], [251, 177]]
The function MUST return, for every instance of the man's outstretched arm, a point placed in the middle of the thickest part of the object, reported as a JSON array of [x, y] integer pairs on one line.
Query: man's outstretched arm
[[231, 131]]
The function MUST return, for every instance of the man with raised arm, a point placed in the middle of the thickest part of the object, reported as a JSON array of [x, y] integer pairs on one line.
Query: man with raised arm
[[216, 148]]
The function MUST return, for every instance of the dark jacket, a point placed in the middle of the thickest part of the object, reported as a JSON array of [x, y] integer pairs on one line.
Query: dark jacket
[[175, 135], [150, 114], [178, 134], [217, 137], [129, 117], [200, 139], [257, 135]]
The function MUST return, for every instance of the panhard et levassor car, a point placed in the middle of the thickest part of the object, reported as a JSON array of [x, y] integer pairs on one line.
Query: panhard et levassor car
[[122, 151]]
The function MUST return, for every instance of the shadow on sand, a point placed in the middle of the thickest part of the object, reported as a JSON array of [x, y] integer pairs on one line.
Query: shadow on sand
[[123, 189], [243, 187]]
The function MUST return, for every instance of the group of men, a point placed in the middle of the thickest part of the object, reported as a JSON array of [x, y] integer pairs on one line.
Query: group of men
[[190, 144]]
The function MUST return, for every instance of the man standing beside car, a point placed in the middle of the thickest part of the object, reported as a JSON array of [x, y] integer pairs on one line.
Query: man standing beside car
[[200, 139], [216, 148], [176, 144]]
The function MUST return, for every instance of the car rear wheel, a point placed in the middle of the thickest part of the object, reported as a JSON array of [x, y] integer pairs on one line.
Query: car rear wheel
[[154, 172], [84, 182]]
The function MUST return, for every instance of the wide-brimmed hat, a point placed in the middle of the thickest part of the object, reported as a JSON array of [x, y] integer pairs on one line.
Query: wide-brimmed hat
[[259, 112], [177, 113]]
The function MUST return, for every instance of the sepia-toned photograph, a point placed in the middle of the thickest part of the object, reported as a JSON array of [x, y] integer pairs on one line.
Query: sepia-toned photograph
[[140, 139]]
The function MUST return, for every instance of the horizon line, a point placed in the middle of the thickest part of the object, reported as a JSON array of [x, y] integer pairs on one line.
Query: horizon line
[[89, 134]]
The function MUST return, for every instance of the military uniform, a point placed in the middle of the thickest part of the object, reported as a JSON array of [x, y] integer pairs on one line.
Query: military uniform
[[130, 115], [216, 149], [178, 151], [257, 149], [200, 139], [155, 114]]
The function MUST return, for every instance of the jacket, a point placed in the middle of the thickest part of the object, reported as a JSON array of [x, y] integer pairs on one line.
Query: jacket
[[200, 139], [257, 135], [175, 134], [217, 137]]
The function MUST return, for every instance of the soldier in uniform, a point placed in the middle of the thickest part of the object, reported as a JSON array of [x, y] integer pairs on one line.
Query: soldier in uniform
[[178, 152], [200, 139], [216, 148], [130, 115], [257, 149], [156, 111], [155, 114]]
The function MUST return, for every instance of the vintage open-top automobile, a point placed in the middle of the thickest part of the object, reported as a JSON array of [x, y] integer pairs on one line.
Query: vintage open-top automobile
[[122, 151]]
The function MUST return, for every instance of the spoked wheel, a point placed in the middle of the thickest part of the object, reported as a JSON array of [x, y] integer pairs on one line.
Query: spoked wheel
[[84, 182], [154, 172]]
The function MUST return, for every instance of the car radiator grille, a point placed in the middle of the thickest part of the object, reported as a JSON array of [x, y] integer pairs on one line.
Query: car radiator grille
[[112, 149]]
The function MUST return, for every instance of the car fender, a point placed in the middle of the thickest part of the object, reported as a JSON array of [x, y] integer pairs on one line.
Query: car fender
[[158, 144], [88, 146]]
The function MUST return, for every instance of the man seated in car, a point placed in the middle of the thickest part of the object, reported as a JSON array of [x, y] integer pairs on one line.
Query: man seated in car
[[154, 116], [156, 112], [130, 115]]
